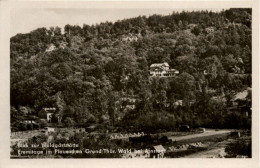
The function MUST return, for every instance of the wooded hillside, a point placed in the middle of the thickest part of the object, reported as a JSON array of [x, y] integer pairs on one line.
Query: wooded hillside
[[86, 72]]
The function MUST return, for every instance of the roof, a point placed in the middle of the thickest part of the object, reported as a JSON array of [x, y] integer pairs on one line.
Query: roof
[[159, 64], [49, 109], [241, 95], [159, 148], [173, 71], [219, 98], [92, 127]]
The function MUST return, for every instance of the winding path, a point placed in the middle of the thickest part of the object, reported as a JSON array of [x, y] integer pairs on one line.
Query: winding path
[[199, 135]]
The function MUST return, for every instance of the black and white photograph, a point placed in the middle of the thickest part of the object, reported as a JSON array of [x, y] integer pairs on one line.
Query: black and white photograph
[[131, 83]]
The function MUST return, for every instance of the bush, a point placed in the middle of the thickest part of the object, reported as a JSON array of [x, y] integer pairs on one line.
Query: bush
[[42, 123], [29, 127], [22, 127], [239, 148]]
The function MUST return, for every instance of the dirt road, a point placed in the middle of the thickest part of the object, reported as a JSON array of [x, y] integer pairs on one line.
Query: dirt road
[[206, 133], [216, 151], [213, 153]]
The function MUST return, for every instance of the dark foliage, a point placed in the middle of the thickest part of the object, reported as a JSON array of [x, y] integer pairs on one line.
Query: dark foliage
[[89, 70]]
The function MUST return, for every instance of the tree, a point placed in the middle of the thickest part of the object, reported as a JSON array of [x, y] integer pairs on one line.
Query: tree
[[69, 122], [87, 79]]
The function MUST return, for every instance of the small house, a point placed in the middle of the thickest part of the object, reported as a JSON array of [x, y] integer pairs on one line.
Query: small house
[[242, 102], [158, 151], [47, 113], [50, 129]]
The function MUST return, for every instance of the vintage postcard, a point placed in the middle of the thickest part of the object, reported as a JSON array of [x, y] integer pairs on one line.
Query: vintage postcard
[[139, 83]]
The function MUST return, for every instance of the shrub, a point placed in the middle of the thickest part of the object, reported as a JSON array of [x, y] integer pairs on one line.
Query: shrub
[[239, 148]]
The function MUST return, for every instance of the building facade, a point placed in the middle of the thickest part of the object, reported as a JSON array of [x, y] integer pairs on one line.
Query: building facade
[[162, 70]]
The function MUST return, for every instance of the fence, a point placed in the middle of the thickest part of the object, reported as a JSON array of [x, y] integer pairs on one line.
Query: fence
[[123, 136]]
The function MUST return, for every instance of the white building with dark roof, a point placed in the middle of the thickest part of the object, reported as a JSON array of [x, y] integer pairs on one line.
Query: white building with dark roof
[[162, 70]]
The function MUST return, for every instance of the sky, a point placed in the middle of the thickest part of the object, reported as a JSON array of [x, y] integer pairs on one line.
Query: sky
[[24, 20]]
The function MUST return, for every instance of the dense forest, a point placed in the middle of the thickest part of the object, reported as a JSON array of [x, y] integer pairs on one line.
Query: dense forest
[[90, 73]]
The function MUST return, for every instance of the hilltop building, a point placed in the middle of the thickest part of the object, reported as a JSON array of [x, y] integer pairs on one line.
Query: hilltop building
[[47, 113], [162, 70]]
